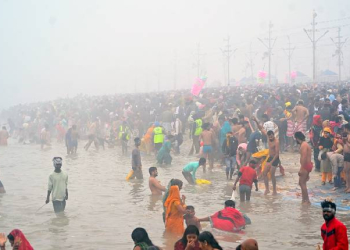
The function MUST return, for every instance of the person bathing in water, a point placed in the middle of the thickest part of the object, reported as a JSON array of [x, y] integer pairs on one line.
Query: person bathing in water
[[273, 160], [189, 171], [154, 185]]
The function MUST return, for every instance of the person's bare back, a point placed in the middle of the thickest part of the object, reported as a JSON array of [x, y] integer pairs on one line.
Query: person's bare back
[[207, 137], [301, 113]]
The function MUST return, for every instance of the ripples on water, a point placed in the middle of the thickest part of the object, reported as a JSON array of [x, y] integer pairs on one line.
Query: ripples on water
[[103, 208]]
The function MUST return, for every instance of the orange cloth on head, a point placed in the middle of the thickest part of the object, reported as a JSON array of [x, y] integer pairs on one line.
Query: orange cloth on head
[[174, 221]]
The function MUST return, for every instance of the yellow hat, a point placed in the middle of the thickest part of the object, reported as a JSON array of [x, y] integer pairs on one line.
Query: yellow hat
[[288, 104]]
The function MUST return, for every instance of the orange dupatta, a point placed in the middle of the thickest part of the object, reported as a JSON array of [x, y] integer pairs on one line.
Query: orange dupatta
[[174, 222]]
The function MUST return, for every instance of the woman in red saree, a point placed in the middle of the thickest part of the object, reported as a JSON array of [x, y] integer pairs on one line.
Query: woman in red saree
[[175, 208], [17, 239]]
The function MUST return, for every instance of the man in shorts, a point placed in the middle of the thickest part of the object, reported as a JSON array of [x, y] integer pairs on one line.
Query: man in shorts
[[273, 160]]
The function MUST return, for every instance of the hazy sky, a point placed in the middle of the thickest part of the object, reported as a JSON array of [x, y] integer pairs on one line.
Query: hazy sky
[[51, 49]]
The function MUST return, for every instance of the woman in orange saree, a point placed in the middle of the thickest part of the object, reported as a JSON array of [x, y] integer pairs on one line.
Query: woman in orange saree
[[175, 208]]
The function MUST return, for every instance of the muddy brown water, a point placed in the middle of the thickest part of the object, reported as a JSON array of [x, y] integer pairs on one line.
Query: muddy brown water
[[103, 208]]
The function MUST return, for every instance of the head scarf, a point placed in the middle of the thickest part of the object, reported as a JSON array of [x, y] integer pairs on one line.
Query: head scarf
[[174, 196], [317, 121], [25, 245]]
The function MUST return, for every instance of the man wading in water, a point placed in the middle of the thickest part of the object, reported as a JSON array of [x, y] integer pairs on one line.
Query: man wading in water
[[305, 165], [273, 160], [154, 185], [58, 182]]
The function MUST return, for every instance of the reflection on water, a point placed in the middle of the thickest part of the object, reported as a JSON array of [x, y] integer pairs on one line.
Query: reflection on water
[[103, 208]]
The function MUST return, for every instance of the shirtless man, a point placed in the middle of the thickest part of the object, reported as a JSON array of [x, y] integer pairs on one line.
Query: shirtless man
[[273, 160], [305, 165], [346, 141], [154, 184], [301, 115], [241, 134], [236, 126], [207, 137], [92, 135]]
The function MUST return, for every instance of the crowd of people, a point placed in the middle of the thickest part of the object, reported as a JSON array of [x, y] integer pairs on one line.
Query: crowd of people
[[244, 129]]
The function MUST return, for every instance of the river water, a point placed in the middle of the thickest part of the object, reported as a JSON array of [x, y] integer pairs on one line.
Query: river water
[[103, 208]]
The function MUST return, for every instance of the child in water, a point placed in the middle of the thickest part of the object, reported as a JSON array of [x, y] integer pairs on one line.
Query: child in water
[[191, 219]]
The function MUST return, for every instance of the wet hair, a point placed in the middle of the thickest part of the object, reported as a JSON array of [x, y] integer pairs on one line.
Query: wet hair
[[328, 204], [206, 125], [270, 132], [230, 203], [241, 116], [323, 156], [209, 238], [234, 120], [202, 161], [176, 182], [190, 207], [299, 135], [239, 247], [140, 235], [253, 161], [152, 169], [191, 229], [137, 140], [10, 237], [300, 102]]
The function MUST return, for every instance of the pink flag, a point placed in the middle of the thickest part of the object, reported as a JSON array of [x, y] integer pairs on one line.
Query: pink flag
[[197, 87]]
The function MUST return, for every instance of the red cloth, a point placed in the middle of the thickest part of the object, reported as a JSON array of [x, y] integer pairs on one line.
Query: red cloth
[[308, 167], [317, 120], [229, 219], [334, 235], [180, 246], [25, 245], [248, 176]]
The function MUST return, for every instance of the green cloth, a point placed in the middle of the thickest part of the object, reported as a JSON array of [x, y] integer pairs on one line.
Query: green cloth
[[163, 155], [142, 245]]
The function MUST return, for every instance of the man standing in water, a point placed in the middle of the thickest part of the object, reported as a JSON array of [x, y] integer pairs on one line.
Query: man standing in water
[[154, 184], [58, 182], [207, 137], [136, 163], [305, 165], [72, 140], [272, 161]]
